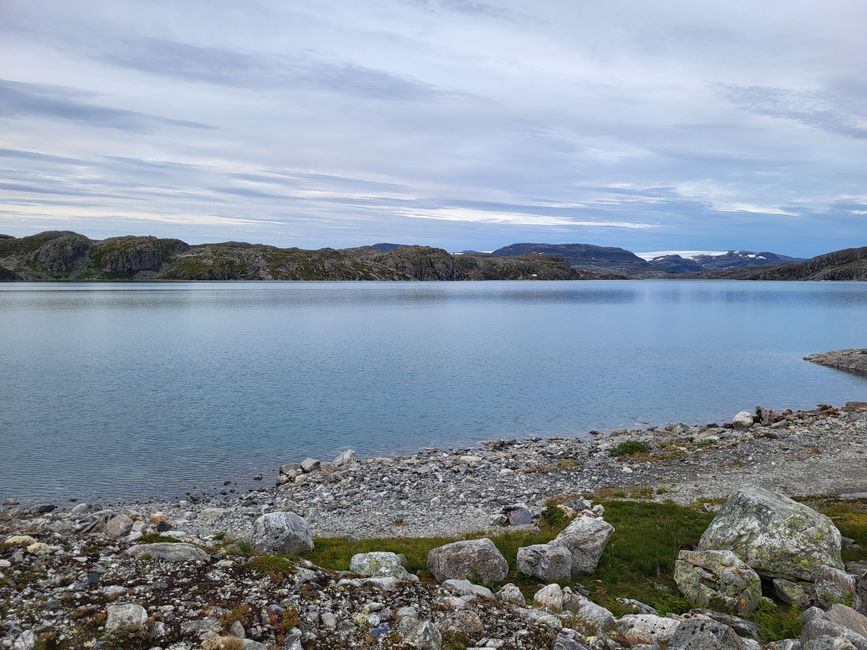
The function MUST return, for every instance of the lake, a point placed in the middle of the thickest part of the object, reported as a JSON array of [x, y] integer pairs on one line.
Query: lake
[[130, 390]]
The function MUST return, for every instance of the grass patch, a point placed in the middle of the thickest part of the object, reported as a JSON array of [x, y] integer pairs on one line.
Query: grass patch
[[270, 565], [850, 516], [629, 448]]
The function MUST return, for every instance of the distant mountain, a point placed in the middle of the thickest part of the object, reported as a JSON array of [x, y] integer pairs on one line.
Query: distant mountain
[[70, 256], [847, 264], [710, 262], [386, 247], [595, 259]]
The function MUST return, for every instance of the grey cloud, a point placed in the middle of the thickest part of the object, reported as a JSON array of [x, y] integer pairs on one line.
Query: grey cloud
[[810, 108], [41, 100], [221, 66]]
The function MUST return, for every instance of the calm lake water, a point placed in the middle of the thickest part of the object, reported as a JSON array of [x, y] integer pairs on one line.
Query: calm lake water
[[131, 390]]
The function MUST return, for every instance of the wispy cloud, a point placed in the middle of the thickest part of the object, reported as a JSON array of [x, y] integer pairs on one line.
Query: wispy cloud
[[56, 102]]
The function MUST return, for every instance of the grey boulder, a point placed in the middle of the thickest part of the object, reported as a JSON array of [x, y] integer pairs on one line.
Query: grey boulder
[[126, 617], [283, 533], [776, 536], [168, 552], [477, 559], [586, 538], [380, 563], [704, 634], [705, 576], [548, 562]]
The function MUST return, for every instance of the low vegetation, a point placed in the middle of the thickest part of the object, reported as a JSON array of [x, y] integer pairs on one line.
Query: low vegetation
[[638, 562]]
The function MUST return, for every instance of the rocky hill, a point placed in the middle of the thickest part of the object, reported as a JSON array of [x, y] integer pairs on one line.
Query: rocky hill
[[847, 264], [63, 255], [607, 259]]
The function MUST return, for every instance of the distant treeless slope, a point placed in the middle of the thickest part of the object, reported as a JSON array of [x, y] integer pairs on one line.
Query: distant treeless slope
[[847, 264], [63, 255]]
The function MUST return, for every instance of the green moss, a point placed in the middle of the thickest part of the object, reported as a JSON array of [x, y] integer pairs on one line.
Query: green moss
[[629, 448], [271, 565], [777, 622]]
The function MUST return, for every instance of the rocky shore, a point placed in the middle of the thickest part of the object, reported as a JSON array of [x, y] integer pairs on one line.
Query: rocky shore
[[853, 359], [235, 571]]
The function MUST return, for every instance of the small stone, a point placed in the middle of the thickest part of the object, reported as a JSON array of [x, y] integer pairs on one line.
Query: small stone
[[509, 593], [743, 420], [550, 597], [310, 464], [118, 526], [125, 617]]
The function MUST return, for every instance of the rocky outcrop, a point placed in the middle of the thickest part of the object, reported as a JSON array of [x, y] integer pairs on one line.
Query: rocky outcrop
[[776, 536], [853, 359], [846, 264], [476, 559], [705, 577], [69, 256]]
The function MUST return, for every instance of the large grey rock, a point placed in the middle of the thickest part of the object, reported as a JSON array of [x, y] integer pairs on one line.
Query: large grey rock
[[848, 618], [587, 612], [550, 597], [818, 628], [467, 588], [742, 627], [463, 626], [168, 552], [548, 562], [776, 536], [586, 538], [704, 634], [791, 593], [705, 576], [833, 586], [25, 641], [283, 533], [380, 563], [128, 616], [477, 559], [743, 420], [424, 635], [509, 593], [118, 526], [646, 628]]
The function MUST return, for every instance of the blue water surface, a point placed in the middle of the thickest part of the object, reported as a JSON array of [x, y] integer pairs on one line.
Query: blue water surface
[[116, 390]]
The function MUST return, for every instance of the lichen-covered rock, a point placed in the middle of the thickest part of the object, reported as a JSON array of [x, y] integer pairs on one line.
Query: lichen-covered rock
[[848, 618], [776, 536], [548, 562], [792, 593], [282, 533], [833, 586], [424, 635], [462, 626], [587, 612], [586, 538], [509, 593], [818, 630], [126, 617], [706, 576], [380, 563], [168, 552], [646, 628], [476, 559], [704, 634]]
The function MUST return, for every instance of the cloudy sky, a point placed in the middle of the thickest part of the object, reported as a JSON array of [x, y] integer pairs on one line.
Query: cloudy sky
[[458, 123]]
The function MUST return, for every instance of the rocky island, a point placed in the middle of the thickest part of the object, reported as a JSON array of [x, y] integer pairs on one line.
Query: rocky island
[[678, 537], [853, 360]]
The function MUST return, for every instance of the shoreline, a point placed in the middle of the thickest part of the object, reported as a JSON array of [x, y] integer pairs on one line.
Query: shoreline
[[436, 492]]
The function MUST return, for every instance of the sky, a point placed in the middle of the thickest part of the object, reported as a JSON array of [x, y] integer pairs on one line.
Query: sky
[[465, 124]]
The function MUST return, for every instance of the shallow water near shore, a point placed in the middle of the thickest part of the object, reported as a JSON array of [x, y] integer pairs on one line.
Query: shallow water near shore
[[123, 391]]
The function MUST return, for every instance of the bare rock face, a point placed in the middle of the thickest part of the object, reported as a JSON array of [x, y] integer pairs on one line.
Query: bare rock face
[[281, 533], [478, 559], [776, 536], [586, 538], [704, 633], [705, 576]]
